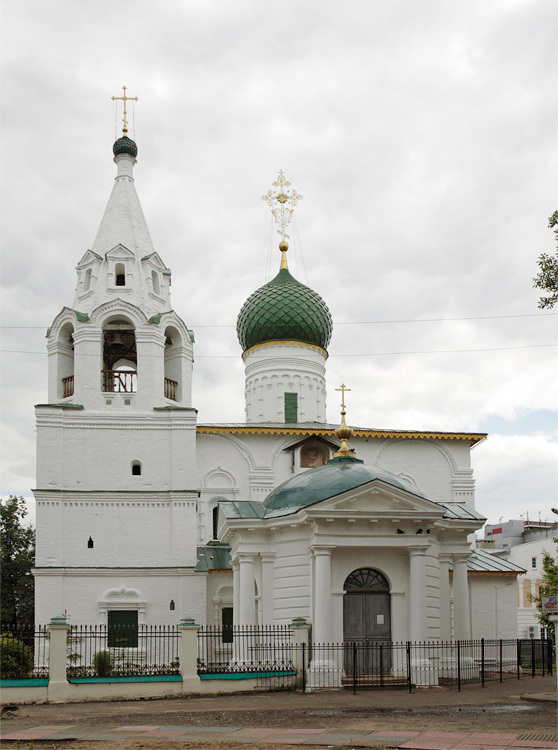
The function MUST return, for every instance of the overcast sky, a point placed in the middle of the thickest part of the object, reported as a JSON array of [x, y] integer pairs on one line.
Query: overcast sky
[[422, 136]]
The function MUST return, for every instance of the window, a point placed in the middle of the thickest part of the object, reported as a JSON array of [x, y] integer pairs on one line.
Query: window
[[156, 285], [136, 469], [120, 274], [122, 628], [227, 624], [291, 408], [87, 280], [215, 521], [533, 562]]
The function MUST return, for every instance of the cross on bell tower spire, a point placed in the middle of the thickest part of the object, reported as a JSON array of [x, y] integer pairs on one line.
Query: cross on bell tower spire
[[125, 99]]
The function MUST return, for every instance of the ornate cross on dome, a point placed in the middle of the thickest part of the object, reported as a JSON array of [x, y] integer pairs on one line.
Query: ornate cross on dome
[[125, 99], [343, 389], [282, 203]]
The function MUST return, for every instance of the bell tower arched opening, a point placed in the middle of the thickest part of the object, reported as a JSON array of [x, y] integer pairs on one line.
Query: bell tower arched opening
[[66, 361], [173, 364], [119, 357]]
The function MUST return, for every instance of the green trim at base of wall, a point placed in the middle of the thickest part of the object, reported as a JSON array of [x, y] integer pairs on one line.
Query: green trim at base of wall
[[131, 678], [32, 682], [244, 675]]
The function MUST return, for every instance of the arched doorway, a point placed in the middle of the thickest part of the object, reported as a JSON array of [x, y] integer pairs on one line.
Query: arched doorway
[[366, 625], [366, 606]]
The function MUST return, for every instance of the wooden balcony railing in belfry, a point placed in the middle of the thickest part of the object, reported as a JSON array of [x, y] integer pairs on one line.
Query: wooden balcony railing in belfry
[[119, 381], [68, 386], [170, 389]]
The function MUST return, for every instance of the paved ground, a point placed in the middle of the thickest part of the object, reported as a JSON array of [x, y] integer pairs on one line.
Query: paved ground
[[514, 714]]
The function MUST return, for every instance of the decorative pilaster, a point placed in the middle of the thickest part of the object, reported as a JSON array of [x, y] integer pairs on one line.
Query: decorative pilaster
[[445, 614], [461, 596], [236, 592], [268, 559], [321, 625]]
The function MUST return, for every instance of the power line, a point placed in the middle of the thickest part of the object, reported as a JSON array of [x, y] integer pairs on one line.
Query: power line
[[367, 354], [357, 322]]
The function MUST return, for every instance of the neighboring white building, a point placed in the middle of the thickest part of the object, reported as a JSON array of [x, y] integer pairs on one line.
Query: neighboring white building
[[143, 515], [523, 543]]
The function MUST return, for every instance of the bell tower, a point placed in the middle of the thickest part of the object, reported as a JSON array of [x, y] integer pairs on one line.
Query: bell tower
[[116, 464]]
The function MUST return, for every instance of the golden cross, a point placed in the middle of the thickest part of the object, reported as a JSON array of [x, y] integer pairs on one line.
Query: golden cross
[[125, 99], [282, 203], [343, 389]]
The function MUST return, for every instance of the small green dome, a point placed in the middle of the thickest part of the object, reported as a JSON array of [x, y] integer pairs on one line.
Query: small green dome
[[337, 476], [125, 145], [284, 309]]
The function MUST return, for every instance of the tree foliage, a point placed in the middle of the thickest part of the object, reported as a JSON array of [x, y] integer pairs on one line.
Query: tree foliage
[[549, 585], [17, 556], [547, 278]]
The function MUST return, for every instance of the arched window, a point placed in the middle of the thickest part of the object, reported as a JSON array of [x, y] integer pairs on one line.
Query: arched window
[[120, 274], [366, 579], [136, 469], [156, 285], [87, 280]]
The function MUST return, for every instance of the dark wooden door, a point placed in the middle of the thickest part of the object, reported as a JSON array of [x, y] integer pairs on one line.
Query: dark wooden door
[[367, 631]]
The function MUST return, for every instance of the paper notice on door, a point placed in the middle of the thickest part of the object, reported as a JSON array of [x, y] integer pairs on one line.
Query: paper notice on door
[[379, 619]]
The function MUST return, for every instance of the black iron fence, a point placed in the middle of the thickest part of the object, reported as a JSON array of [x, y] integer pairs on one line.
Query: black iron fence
[[381, 665], [122, 651], [24, 652], [266, 652]]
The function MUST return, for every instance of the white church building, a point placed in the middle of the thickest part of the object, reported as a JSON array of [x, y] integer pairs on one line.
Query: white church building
[[146, 516]]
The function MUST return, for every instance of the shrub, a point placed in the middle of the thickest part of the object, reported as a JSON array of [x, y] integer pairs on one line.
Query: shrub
[[103, 663], [16, 659]]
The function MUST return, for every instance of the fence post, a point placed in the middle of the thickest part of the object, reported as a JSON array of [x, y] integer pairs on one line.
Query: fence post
[[188, 654], [409, 677], [482, 662], [458, 665], [301, 637], [518, 659], [58, 687]]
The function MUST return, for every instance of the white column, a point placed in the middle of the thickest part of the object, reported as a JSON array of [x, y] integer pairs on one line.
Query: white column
[[417, 594], [268, 559], [236, 593], [461, 596], [445, 615], [321, 625], [247, 603]]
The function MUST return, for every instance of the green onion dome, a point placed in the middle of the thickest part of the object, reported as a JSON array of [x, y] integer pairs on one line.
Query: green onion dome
[[125, 145], [284, 310], [339, 475]]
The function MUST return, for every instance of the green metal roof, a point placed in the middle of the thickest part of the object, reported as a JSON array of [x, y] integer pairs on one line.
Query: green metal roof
[[480, 561], [213, 557], [284, 310], [337, 476]]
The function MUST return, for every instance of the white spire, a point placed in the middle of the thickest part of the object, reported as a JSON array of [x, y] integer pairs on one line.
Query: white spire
[[122, 261]]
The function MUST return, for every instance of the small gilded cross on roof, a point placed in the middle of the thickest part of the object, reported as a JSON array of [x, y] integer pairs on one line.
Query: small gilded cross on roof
[[282, 203], [343, 389], [125, 99]]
